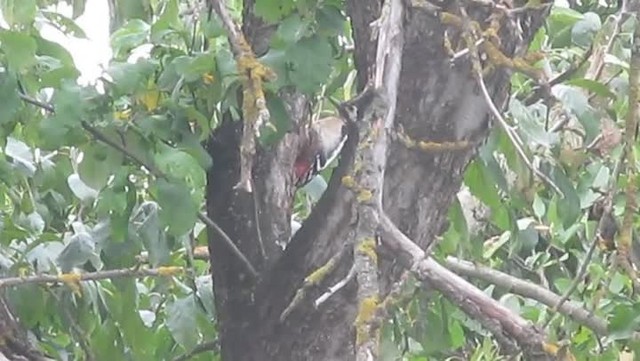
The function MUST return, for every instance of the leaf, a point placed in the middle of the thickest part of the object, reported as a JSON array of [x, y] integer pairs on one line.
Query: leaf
[[539, 207], [491, 247], [315, 188], [273, 10], [192, 68], [147, 224], [290, 30], [585, 29], [593, 86], [77, 252], [19, 49], [181, 319], [80, 189], [129, 78], [184, 166], [624, 321], [204, 286], [64, 24], [9, 95], [178, 209], [330, 20], [18, 12], [485, 191], [168, 22], [99, 162], [21, 155], [134, 33], [311, 62]]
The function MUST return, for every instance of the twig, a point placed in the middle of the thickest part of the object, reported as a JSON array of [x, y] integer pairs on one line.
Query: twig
[[529, 290], [153, 170], [313, 280], [513, 137], [203, 347], [335, 288], [74, 278], [576, 281]]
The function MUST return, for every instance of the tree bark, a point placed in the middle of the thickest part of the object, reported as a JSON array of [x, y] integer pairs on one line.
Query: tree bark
[[437, 102]]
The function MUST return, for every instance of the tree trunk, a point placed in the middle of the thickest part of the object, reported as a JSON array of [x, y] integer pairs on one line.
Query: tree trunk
[[437, 102]]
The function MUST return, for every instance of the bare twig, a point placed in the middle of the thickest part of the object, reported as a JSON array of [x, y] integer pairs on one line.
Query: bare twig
[[74, 278], [335, 288], [576, 281], [529, 290], [505, 325], [153, 170]]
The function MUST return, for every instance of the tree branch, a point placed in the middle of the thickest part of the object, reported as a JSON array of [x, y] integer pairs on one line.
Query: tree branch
[[377, 116], [73, 278], [254, 106], [499, 320], [529, 290]]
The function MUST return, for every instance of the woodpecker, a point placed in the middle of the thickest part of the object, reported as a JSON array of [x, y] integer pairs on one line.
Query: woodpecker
[[324, 142]]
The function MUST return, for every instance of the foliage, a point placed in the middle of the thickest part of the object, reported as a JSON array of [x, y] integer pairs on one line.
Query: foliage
[[70, 202]]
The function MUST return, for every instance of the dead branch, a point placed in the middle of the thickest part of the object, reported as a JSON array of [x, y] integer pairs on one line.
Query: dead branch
[[529, 290], [254, 106], [73, 278], [503, 323]]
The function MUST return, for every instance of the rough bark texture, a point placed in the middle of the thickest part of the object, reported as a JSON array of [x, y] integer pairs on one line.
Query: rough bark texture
[[435, 98]]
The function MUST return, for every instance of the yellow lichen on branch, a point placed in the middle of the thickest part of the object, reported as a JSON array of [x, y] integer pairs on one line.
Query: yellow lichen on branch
[[364, 320], [254, 106]]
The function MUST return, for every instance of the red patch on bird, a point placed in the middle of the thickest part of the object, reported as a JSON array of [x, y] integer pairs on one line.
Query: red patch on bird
[[301, 167]]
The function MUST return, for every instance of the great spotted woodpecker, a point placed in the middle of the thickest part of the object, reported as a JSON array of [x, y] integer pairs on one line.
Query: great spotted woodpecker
[[325, 140]]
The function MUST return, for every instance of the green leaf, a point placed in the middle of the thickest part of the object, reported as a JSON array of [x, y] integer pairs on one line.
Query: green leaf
[[485, 191], [178, 209], [129, 78], [168, 22], [625, 321], [99, 162], [585, 29], [490, 248], [78, 8], [70, 106], [19, 49], [181, 318], [593, 86], [9, 95], [55, 63], [18, 12], [539, 207], [193, 68], [290, 30], [64, 24], [273, 10], [131, 35], [311, 62], [330, 20], [147, 223], [79, 250]]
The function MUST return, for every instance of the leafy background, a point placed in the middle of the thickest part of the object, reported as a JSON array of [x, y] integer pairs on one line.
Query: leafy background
[[71, 203]]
